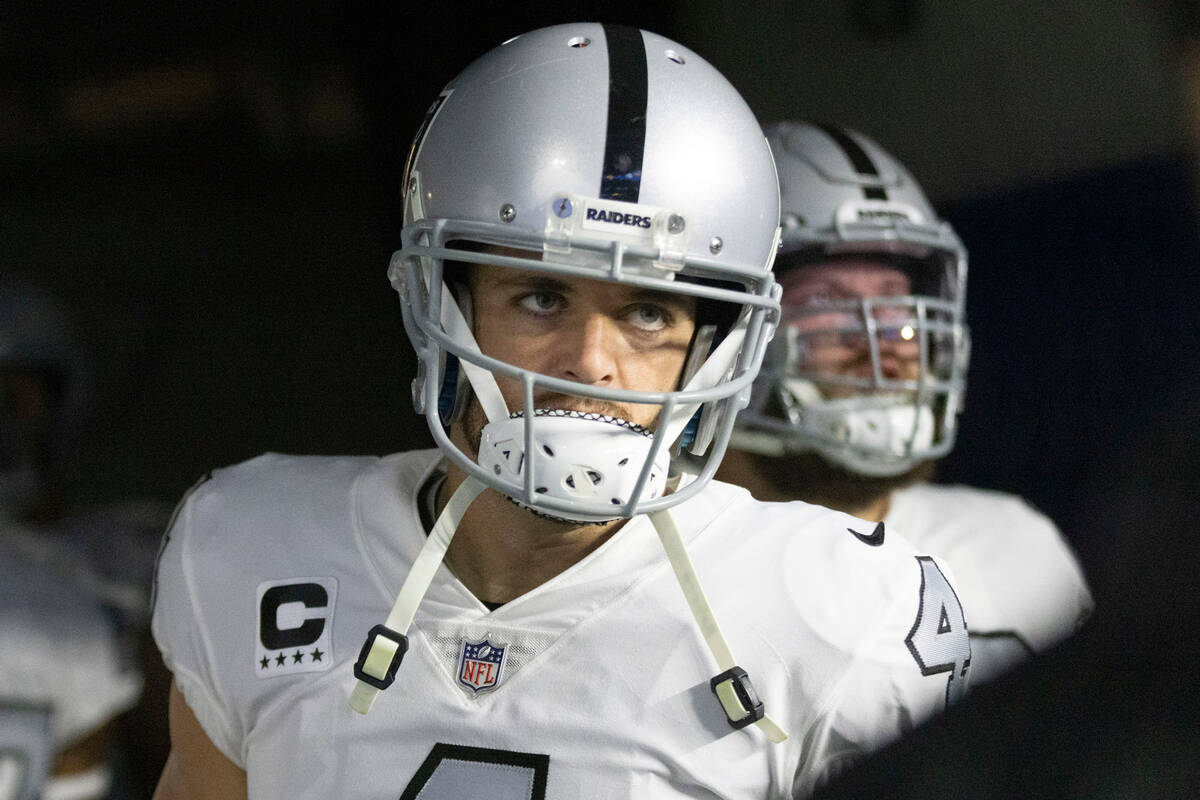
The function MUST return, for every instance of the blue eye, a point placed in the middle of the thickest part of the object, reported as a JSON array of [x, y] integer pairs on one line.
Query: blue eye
[[648, 317], [540, 302]]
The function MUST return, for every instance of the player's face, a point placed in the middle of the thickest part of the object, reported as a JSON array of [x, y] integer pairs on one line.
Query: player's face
[[820, 303], [592, 332]]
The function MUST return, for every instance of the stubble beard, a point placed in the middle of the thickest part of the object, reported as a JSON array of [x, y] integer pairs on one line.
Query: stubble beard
[[813, 479], [474, 420]]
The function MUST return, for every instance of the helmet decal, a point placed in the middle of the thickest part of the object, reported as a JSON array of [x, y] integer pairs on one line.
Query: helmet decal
[[859, 159], [625, 139]]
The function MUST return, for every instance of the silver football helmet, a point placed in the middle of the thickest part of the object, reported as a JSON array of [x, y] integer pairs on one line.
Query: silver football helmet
[[601, 152], [871, 379], [39, 437]]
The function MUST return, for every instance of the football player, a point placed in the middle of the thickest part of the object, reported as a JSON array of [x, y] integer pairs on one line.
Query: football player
[[531, 610], [67, 667], [861, 389]]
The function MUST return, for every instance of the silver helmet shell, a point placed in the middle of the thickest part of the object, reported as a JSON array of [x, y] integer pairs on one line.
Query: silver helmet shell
[[843, 195], [600, 152], [38, 340]]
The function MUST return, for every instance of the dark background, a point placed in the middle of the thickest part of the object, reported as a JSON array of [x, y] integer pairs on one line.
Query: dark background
[[213, 193]]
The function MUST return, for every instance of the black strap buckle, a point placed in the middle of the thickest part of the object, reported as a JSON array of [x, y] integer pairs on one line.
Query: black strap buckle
[[743, 689], [390, 675]]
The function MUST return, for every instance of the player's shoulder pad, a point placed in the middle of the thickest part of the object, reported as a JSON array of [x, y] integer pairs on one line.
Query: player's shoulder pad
[[1000, 541], [231, 511], [851, 576], [984, 510], [283, 469], [989, 527], [838, 572], [858, 549], [269, 484]]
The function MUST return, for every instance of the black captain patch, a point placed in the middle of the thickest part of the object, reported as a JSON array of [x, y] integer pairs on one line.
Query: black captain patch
[[295, 626]]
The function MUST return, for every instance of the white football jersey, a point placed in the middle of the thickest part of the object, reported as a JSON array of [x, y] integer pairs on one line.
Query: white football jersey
[[1021, 586], [59, 644], [593, 685], [26, 749]]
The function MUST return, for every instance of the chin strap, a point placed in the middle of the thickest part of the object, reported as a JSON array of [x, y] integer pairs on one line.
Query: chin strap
[[386, 644], [732, 686]]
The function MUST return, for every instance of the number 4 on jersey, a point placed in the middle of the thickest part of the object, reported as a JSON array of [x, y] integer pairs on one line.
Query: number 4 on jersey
[[938, 639], [457, 772]]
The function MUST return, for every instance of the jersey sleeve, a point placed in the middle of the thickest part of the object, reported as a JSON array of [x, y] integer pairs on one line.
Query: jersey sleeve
[[1048, 583], [909, 667], [181, 629], [1022, 586]]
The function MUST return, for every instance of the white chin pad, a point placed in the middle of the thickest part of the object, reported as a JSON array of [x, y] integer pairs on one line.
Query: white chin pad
[[590, 459], [891, 432]]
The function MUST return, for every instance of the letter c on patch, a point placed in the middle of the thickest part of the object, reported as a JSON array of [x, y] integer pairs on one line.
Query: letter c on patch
[[311, 595]]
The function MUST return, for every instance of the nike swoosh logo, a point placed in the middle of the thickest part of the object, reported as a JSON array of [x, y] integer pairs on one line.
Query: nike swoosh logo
[[875, 539]]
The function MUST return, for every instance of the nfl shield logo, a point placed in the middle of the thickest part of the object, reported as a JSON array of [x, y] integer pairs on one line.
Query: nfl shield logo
[[479, 665]]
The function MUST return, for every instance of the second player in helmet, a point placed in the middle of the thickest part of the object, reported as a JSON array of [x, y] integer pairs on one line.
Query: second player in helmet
[[862, 386]]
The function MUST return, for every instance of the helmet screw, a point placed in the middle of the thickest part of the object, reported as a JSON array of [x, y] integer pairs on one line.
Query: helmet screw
[[412, 185], [715, 244], [562, 207], [676, 224], [508, 212]]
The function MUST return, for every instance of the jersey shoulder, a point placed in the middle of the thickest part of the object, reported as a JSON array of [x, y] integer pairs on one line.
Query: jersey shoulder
[[986, 510], [868, 629], [837, 574], [278, 492], [1018, 571], [262, 538], [267, 484], [276, 513], [984, 526]]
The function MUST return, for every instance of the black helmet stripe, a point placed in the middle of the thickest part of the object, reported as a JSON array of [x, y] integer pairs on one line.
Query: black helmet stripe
[[625, 140], [859, 159]]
